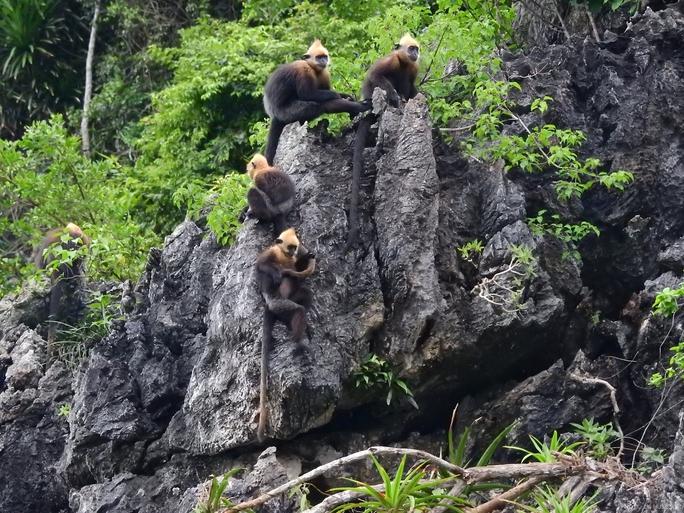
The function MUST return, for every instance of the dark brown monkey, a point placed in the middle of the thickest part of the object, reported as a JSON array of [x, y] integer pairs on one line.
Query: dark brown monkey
[[67, 279], [272, 196], [396, 75], [300, 91], [281, 270]]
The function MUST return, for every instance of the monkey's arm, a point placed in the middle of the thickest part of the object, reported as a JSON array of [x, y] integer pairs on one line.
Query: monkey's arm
[[301, 274], [269, 273], [307, 91]]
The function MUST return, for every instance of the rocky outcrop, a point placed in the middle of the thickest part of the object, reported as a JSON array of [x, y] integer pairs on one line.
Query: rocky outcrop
[[170, 396]]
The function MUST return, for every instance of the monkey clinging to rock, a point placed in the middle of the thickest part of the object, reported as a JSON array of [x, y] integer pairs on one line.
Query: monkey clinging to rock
[[280, 271]]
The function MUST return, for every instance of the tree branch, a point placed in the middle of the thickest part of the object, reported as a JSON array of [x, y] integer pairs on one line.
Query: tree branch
[[88, 93], [504, 498]]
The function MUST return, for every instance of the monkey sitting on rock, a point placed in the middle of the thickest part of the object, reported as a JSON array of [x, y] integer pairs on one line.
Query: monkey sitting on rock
[[300, 91], [395, 74], [272, 194]]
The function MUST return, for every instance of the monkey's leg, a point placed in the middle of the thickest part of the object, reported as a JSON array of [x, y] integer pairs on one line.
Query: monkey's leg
[[357, 169], [342, 105], [274, 132], [259, 205]]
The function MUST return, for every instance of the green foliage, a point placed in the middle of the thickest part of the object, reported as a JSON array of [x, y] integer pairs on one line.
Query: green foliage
[[470, 251], [375, 372], [675, 369], [547, 500], [64, 410], [73, 343], [535, 148], [598, 437], [405, 491], [46, 182], [214, 500], [226, 199], [545, 452], [39, 52], [302, 493], [569, 234], [668, 301], [650, 459], [457, 450]]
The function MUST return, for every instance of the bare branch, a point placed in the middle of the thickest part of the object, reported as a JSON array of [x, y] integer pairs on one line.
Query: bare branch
[[504, 498], [88, 93], [361, 455], [613, 400]]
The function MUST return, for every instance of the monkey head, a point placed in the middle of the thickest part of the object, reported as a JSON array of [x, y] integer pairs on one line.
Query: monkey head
[[288, 243], [408, 47], [256, 164], [317, 56]]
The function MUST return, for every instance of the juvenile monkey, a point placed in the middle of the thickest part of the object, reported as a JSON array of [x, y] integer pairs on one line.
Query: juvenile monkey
[[67, 279], [281, 269], [272, 195], [396, 74], [300, 91]]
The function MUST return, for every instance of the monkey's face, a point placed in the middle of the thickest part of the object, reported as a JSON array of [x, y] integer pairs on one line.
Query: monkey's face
[[317, 56], [288, 243], [319, 62], [411, 52], [408, 47]]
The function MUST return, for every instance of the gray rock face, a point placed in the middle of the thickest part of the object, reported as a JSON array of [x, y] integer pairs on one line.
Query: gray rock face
[[171, 395]]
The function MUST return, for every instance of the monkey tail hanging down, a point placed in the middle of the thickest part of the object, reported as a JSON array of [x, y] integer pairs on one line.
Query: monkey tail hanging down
[[272, 194], [281, 270], [300, 91], [66, 280], [396, 75]]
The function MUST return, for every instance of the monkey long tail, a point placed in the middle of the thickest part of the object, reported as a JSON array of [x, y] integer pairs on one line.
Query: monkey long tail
[[357, 168], [263, 391], [274, 132], [279, 224]]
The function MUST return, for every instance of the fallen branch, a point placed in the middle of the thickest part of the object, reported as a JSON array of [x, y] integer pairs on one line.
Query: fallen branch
[[506, 497], [361, 455]]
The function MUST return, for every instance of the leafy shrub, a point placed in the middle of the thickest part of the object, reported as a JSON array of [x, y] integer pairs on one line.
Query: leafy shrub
[[375, 372], [598, 437], [569, 234], [545, 452], [470, 251], [546, 500], [47, 182]]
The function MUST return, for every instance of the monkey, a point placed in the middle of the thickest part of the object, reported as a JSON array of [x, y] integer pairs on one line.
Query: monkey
[[272, 195], [280, 270], [396, 74], [67, 278], [300, 91]]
